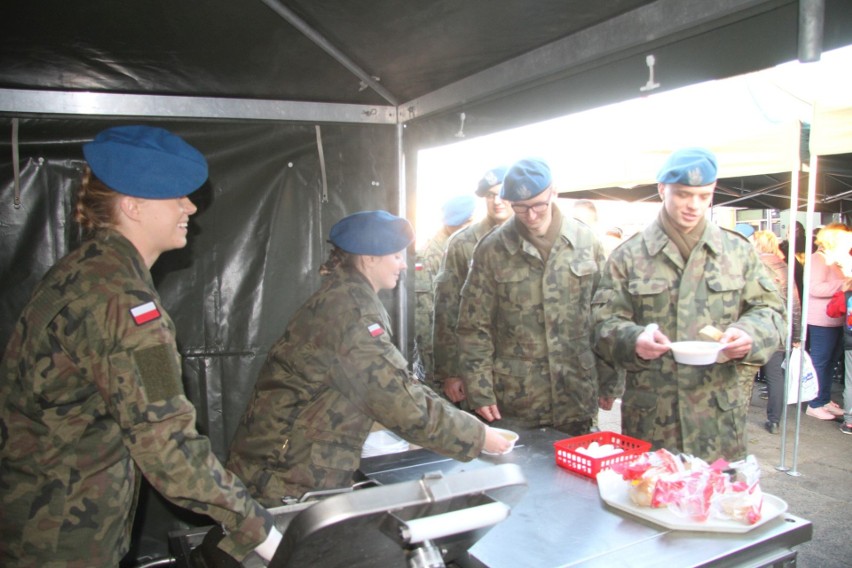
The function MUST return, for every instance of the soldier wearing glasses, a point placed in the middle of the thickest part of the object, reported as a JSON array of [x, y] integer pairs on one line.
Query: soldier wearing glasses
[[524, 323]]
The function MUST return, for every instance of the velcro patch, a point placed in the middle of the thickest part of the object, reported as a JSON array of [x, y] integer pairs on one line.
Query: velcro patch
[[375, 329], [159, 372], [144, 313]]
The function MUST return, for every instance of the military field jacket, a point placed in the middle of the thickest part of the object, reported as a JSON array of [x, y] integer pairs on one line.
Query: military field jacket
[[426, 268], [697, 410], [448, 285], [333, 373], [524, 326], [90, 386]]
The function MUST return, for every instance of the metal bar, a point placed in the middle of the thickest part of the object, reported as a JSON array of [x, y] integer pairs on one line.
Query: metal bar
[[401, 329], [795, 173], [811, 18], [327, 46], [22, 101], [631, 31], [806, 290]]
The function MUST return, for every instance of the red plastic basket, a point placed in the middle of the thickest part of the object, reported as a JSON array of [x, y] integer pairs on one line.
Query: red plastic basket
[[567, 456]]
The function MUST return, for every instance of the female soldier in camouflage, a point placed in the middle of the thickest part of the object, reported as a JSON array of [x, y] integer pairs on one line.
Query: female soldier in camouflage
[[90, 385], [335, 371]]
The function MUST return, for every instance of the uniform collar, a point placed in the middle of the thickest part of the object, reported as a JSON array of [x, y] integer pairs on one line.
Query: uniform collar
[[656, 239], [513, 241], [122, 245]]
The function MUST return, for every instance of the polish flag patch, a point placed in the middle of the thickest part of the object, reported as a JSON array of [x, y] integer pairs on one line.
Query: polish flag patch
[[418, 266], [375, 330], [144, 313]]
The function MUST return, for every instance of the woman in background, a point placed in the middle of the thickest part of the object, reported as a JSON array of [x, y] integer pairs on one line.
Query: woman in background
[[766, 244], [825, 334]]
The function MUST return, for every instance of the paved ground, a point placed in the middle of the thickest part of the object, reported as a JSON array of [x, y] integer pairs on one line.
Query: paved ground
[[821, 493]]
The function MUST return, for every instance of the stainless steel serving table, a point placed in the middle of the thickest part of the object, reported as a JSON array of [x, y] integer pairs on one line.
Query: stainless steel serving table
[[562, 521]]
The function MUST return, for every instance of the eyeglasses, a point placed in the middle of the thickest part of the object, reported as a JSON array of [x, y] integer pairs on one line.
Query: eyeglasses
[[493, 196], [537, 208]]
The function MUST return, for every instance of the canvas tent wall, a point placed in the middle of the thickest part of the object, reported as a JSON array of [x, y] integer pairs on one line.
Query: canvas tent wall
[[275, 101], [762, 126]]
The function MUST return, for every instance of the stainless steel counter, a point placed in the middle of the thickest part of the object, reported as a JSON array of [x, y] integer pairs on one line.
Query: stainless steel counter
[[562, 521]]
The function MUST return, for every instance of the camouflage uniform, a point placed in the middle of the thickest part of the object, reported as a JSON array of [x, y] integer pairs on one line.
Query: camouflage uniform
[[428, 261], [89, 399], [697, 410], [524, 328], [330, 376], [448, 285]]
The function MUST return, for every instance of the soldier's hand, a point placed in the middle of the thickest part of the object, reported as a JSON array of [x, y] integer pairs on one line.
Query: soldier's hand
[[606, 402], [494, 442], [454, 389], [738, 343], [652, 343], [490, 412]]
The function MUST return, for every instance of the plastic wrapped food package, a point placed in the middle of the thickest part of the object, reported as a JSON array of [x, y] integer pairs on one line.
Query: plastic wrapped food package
[[694, 490]]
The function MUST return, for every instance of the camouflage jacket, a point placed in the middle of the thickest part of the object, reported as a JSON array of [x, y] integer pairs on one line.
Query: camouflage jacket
[[524, 327], [696, 410], [333, 373], [428, 261], [90, 386], [448, 285]]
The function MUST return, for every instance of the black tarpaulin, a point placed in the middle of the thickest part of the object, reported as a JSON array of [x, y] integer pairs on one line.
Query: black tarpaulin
[[259, 235]]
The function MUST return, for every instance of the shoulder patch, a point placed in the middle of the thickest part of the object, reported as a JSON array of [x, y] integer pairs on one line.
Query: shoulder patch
[[375, 329], [144, 313]]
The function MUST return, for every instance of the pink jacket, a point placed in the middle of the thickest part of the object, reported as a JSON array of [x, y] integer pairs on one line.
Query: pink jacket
[[825, 280]]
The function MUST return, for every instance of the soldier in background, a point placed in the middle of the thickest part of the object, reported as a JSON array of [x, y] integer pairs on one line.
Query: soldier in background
[[456, 214], [335, 371], [90, 384], [451, 277], [683, 273], [585, 210], [524, 324]]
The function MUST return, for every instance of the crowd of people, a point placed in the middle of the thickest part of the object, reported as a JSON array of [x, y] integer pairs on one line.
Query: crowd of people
[[532, 322], [827, 321]]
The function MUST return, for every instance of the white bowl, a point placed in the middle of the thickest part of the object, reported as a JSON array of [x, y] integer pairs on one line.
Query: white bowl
[[696, 352], [509, 435]]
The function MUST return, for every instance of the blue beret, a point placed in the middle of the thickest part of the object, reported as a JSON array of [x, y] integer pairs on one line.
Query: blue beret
[[525, 179], [145, 161], [689, 166], [374, 233], [744, 229], [492, 177], [458, 210]]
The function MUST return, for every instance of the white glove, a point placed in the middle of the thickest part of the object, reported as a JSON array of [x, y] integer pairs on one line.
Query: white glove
[[267, 548]]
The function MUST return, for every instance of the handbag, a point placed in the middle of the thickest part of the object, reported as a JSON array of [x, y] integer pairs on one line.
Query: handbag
[[800, 360]]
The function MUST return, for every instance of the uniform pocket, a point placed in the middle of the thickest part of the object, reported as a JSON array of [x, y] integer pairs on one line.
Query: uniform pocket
[[582, 268], [335, 456], [512, 386], [731, 421], [519, 296], [651, 296], [508, 274], [720, 283], [638, 413]]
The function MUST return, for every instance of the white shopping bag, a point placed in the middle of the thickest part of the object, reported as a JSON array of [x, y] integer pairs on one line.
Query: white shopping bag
[[810, 386]]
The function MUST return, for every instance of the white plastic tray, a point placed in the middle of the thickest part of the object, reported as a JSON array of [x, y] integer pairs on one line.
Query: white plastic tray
[[613, 490]]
